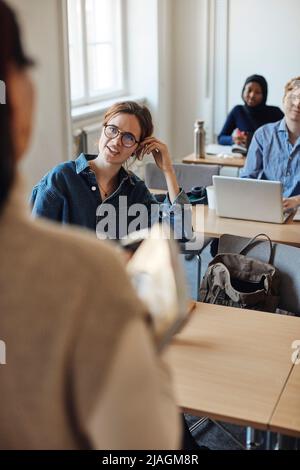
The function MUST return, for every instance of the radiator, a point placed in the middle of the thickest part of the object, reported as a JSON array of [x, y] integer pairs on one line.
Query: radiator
[[90, 138]]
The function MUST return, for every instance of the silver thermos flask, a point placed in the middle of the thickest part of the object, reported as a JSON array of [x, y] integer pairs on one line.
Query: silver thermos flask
[[199, 139]]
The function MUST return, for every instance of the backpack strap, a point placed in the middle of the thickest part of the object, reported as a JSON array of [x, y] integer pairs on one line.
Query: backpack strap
[[251, 242]]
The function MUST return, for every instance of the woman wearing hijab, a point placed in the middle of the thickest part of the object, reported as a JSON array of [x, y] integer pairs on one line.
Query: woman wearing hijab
[[243, 120], [82, 369]]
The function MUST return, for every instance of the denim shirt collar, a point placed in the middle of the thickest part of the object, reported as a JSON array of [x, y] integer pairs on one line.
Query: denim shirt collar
[[82, 164], [282, 126]]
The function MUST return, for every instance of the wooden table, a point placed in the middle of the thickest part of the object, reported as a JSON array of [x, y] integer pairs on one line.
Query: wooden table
[[238, 162], [286, 418], [205, 220], [232, 364]]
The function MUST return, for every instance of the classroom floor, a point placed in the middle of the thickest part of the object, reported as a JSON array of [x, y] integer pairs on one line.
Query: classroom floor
[[217, 436]]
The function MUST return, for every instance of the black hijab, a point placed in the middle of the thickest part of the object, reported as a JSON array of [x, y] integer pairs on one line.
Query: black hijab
[[264, 87], [257, 113]]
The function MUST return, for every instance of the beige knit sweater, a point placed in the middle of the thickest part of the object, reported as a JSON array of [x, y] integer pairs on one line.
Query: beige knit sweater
[[81, 368]]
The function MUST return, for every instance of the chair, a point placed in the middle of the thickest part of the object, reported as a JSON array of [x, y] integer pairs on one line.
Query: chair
[[188, 175]]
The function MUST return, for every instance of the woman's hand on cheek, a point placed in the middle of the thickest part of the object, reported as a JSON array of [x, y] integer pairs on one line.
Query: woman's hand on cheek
[[160, 153]]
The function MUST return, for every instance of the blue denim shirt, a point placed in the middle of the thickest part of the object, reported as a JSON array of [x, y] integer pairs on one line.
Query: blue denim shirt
[[271, 156], [69, 194]]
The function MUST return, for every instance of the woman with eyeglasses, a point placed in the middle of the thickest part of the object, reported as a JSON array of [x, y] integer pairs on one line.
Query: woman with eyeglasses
[[98, 193], [81, 370], [274, 153]]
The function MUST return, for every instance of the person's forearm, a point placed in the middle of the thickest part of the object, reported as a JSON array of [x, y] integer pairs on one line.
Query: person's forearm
[[225, 140], [172, 184]]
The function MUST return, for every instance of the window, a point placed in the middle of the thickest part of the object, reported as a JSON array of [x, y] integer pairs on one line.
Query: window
[[95, 50]]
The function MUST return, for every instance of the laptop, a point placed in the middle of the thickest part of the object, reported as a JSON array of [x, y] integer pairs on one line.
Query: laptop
[[249, 199]]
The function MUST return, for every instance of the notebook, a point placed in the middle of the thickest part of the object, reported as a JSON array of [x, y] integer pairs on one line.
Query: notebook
[[158, 277], [225, 150], [249, 199]]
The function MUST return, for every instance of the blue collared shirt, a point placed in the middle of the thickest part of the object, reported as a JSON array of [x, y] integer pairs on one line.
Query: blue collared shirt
[[69, 194], [271, 156]]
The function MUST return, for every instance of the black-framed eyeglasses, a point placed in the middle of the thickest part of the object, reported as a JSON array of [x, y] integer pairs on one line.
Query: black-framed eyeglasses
[[127, 139]]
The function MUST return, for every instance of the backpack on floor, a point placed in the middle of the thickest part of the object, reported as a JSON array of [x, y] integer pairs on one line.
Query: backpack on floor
[[236, 280]]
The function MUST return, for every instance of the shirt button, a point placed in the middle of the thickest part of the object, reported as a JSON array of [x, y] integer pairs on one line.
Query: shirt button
[[93, 188]]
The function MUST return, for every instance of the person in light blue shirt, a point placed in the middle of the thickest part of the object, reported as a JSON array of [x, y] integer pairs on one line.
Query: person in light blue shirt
[[274, 153]]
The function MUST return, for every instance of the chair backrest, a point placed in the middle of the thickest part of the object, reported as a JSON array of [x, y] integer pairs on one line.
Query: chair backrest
[[285, 258], [188, 175]]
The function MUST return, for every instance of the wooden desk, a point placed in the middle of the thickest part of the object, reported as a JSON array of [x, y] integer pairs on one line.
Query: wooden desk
[[214, 226], [215, 160], [232, 364], [286, 418]]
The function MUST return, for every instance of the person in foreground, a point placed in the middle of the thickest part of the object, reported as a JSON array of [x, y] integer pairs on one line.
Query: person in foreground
[[274, 153], [80, 369], [97, 192], [244, 120]]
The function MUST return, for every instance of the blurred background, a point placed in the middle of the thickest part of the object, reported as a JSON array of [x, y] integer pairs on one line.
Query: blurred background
[[186, 59]]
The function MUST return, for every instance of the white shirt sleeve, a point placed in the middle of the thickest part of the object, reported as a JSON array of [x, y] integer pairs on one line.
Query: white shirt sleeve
[[136, 409]]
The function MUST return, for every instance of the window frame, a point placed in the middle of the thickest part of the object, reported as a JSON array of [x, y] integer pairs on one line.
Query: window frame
[[87, 99]]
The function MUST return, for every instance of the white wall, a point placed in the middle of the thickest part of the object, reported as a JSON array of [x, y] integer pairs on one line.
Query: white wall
[[267, 44], [263, 38], [188, 72], [177, 52], [41, 25], [142, 50], [210, 65], [165, 54]]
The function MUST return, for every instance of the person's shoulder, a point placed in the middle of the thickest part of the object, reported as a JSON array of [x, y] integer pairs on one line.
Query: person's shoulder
[[54, 182], [274, 108], [237, 109], [275, 111], [58, 174], [267, 130], [271, 126], [73, 249], [62, 169]]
